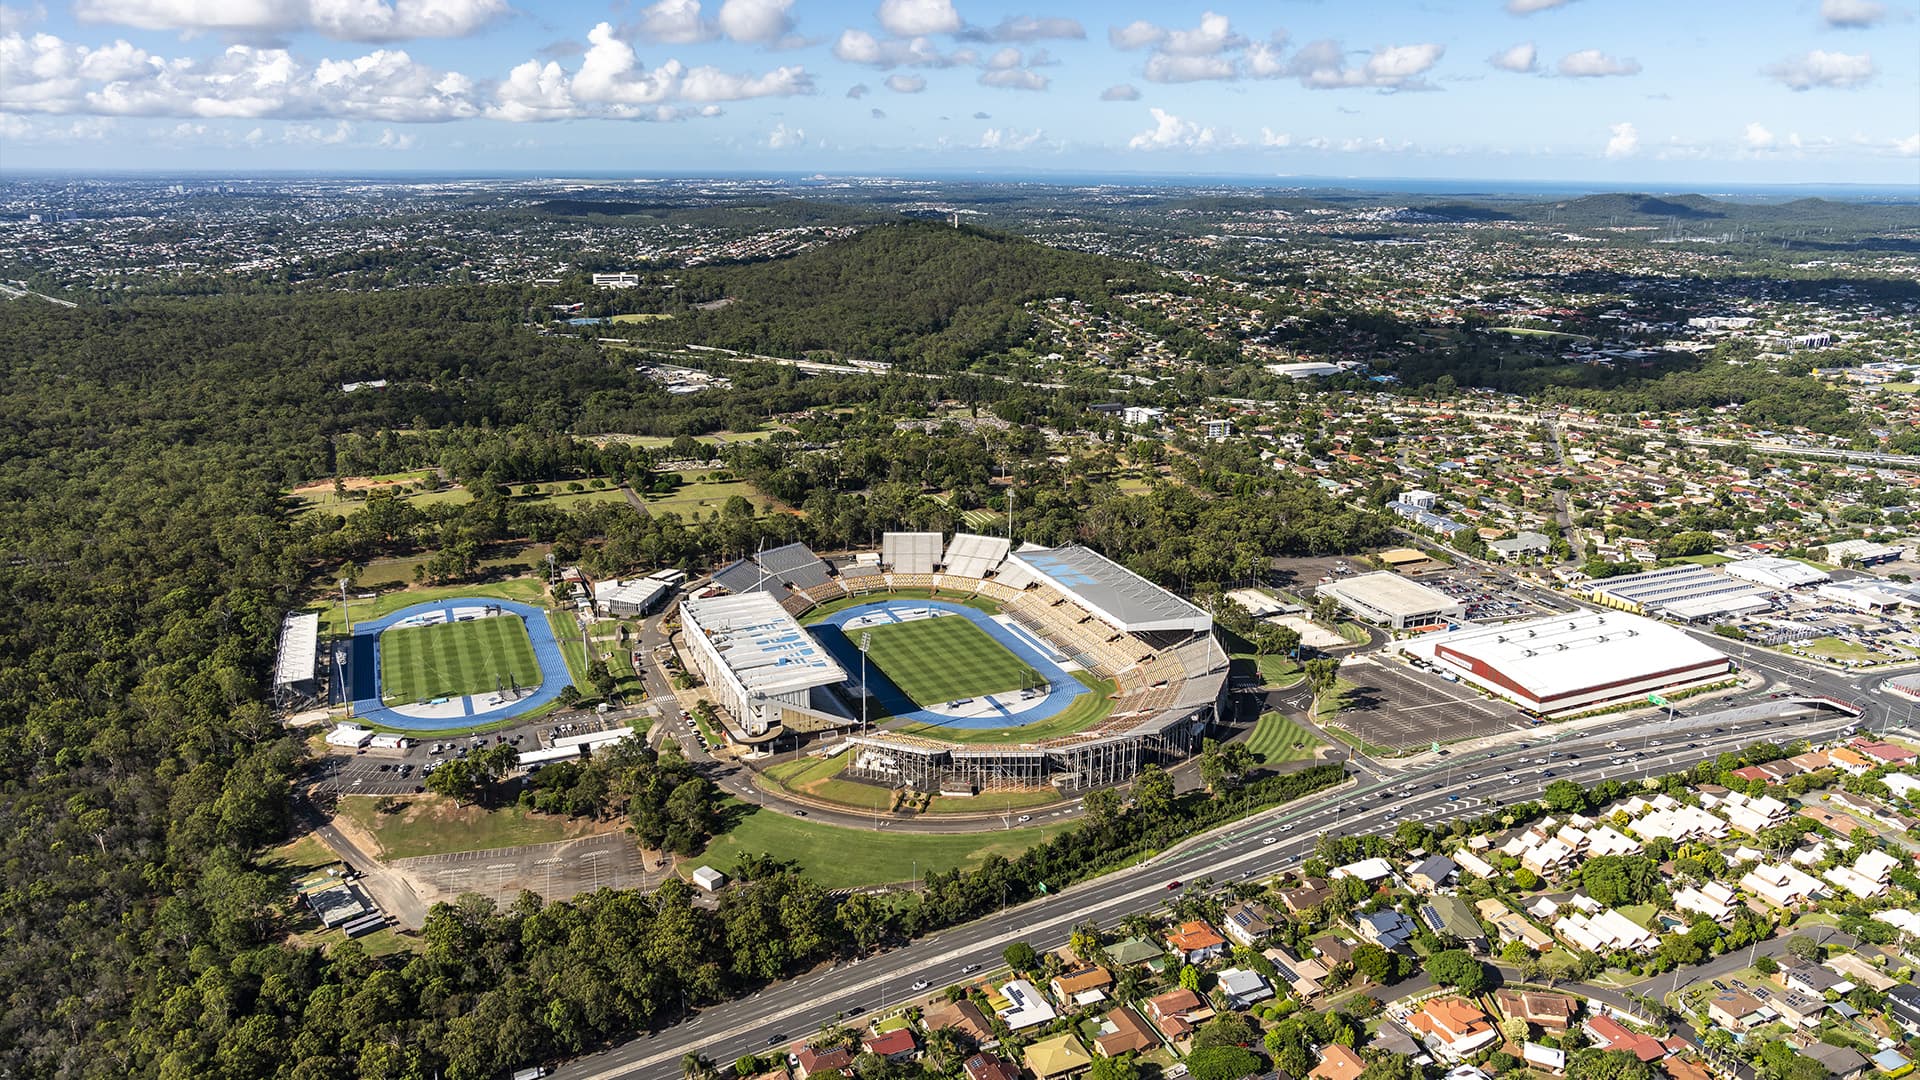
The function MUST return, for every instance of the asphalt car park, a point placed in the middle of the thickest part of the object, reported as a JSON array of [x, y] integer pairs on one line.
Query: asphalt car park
[[1391, 705], [1487, 599]]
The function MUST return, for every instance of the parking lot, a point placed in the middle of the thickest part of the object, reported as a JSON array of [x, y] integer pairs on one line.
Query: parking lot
[[556, 871], [1487, 599], [1394, 706], [404, 772]]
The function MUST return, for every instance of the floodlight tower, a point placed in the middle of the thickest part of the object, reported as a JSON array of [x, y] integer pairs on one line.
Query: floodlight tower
[[866, 641]]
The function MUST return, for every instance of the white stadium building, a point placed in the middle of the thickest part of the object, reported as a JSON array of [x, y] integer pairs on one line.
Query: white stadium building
[[1566, 664], [761, 664]]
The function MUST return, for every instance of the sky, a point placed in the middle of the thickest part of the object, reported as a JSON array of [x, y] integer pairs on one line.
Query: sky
[[1591, 91]]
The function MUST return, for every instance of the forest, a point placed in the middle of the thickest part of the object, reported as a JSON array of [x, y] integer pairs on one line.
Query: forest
[[151, 550]]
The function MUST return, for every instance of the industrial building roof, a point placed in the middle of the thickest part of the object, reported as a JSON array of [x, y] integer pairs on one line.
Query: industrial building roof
[[1123, 598], [1384, 590], [1687, 592], [761, 644], [1773, 572], [1565, 654]]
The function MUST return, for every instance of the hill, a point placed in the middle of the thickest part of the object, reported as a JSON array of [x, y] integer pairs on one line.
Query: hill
[[914, 293], [1694, 213]]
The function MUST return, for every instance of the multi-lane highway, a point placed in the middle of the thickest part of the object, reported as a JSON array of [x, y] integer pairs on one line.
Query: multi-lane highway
[[1467, 783]]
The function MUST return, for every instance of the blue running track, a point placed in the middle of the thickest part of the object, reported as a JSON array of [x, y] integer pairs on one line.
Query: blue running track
[[1063, 686], [363, 667]]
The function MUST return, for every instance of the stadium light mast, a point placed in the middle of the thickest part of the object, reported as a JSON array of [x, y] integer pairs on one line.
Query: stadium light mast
[[346, 613], [866, 640]]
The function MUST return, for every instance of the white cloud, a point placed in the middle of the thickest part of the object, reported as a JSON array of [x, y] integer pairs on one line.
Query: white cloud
[[1009, 139], [1120, 92], [533, 91], [1030, 28], [391, 140], [1529, 7], [861, 47], [1594, 64], [1759, 138], [611, 83], [1014, 79], [347, 20], [314, 134], [1169, 68], [1908, 147], [1625, 141], [912, 18], [15, 128], [1852, 14], [1822, 68], [857, 91], [1522, 58], [15, 20], [1214, 35], [673, 22], [755, 21], [1135, 35], [1170, 132], [783, 137], [1275, 139], [1322, 65], [906, 84]]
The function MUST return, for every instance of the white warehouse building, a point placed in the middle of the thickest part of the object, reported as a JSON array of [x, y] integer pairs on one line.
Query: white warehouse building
[[1384, 598], [1566, 664], [763, 666]]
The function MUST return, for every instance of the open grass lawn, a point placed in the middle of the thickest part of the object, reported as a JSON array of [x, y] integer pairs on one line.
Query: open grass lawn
[[995, 802], [1833, 648], [429, 824], [1274, 670], [323, 500], [1086, 710], [718, 438], [567, 631], [819, 778], [527, 590], [840, 858], [1278, 739], [705, 497], [420, 663], [945, 659], [640, 317], [511, 558]]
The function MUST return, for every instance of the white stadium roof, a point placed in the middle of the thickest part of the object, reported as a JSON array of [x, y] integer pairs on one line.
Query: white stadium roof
[[969, 555], [910, 552], [1123, 598], [299, 649], [1561, 656], [761, 644]]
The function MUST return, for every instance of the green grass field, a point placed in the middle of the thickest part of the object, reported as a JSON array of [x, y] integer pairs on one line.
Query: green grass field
[[1085, 711], [527, 590], [840, 858], [1278, 739], [945, 659], [434, 825], [420, 663]]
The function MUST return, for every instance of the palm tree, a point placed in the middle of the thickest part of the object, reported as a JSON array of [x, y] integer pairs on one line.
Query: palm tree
[[697, 1067]]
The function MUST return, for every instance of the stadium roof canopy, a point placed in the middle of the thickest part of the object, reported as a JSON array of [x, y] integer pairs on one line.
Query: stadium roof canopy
[[910, 552], [299, 650], [969, 555], [1123, 598], [795, 564], [742, 576], [1585, 655], [765, 649]]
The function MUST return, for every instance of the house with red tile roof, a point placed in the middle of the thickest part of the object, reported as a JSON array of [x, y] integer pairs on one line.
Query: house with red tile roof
[[1455, 1024], [1338, 1063], [1610, 1034], [1195, 942], [896, 1045]]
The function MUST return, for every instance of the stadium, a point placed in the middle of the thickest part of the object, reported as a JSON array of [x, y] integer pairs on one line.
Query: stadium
[[974, 666], [440, 665]]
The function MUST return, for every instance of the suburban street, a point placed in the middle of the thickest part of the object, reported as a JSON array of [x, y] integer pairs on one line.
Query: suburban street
[[1264, 844]]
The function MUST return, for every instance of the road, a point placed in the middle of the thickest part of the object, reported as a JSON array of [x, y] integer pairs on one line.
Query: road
[[1259, 846]]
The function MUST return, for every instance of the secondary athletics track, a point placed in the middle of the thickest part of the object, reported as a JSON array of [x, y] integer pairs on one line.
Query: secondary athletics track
[[363, 666], [1008, 710]]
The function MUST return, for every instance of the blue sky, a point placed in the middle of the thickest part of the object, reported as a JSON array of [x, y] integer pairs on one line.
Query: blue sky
[[1600, 91]]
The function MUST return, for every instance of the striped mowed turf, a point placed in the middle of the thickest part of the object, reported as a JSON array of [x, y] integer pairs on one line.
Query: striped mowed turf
[[944, 659], [420, 663]]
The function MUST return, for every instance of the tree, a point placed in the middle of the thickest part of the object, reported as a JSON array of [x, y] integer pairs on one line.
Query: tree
[[1123, 1067], [1190, 977], [1021, 956], [1153, 791], [1617, 880], [1805, 947], [1591, 1064], [1457, 968], [1222, 1063], [1100, 806], [1765, 965], [697, 1067], [1374, 962], [1564, 796], [1227, 1029]]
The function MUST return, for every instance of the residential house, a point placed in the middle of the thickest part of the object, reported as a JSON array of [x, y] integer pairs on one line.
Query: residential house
[[1800, 1010], [1841, 1063], [896, 1045], [1123, 1030], [1541, 851], [1868, 877], [1781, 885], [1195, 942], [1888, 754], [963, 1017], [1470, 862], [1083, 986], [1840, 823], [1510, 925], [1857, 971], [1454, 1026], [1337, 1063], [1242, 987], [1812, 761], [1367, 870], [1892, 1062], [1310, 894], [1750, 815], [1902, 785], [1679, 1068], [1177, 1012], [1025, 1005], [1247, 923], [1432, 873], [1133, 952], [1715, 900], [1607, 1033], [1058, 1058], [1850, 761], [1677, 821], [989, 1067], [1903, 1005], [1303, 975], [1388, 928], [1333, 950], [1550, 1012], [810, 1061], [1549, 1058], [1606, 931], [1450, 916], [1735, 1010]]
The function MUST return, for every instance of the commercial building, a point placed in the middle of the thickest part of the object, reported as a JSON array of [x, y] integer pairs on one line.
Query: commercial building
[[1387, 599], [762, 666], [1772, 572], [1683, 593], [625, 599], [1863, 552], [1564, 664]]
